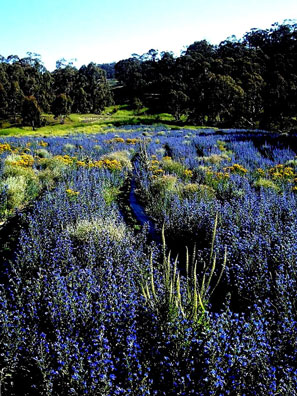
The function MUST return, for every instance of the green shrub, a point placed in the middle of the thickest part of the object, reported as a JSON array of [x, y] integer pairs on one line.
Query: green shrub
[[174, 167], [203, 191], [110, 194], [53, 164], [27, 176], [266, 183], [12, 171], [43, 153], [163, 184], [48, 177]]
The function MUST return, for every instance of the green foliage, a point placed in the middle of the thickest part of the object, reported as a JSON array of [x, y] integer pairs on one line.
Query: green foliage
[[164, 184], [174, 167], [97, 147], [42, 153], [201, 190], [240, 83], [61, 105], [12, 171], [22, 186], [110, 194], [31, 112], [48, 177], [266, 183]]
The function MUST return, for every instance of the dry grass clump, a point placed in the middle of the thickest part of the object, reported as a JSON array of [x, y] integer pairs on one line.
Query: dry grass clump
[[68, 147], [98, 228], [97, 147], [16, 191], [214, 158]]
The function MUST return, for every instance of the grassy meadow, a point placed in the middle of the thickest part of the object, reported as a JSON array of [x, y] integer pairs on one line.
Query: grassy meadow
[[93, 123]]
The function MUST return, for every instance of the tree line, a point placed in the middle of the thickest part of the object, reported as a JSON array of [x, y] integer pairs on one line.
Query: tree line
[[27, 89], [249, 82]]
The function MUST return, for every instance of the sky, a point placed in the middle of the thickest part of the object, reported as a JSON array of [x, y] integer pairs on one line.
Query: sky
[[103, 31]]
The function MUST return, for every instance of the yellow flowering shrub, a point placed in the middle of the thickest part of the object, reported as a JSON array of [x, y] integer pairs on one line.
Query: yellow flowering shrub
[[260, 172], [106, 164], [221, 175], [282, 173], [154, 162], [236, 168], [159, 171], [24, 160], [117, 160], [65, 159], [4, 147]]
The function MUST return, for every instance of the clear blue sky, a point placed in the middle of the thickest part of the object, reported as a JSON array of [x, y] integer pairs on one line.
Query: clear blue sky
[[106, 31]]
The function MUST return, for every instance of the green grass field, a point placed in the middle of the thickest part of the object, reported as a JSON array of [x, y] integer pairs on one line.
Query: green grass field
[[94, 123]]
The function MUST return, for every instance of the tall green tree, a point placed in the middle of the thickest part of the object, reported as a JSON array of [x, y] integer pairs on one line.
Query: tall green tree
[[31, 113], [61, 106]]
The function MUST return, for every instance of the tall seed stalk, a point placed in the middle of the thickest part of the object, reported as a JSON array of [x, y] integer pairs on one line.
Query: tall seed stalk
[[191, 300]]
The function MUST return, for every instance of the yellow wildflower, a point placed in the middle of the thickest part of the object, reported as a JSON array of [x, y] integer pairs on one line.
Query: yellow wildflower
[[4, 147], [132, 141], [80, 163], [188, 173], [72, 193], [24, 160]]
